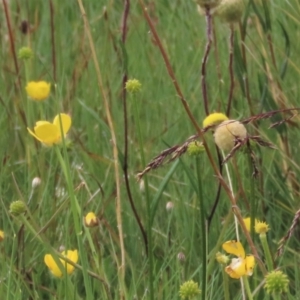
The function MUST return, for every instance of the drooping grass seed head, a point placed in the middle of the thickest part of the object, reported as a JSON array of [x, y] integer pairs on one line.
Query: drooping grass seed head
[[228, 132]]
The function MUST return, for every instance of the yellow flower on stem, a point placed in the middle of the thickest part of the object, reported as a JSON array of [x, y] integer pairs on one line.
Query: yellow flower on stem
[[50, 133], [2, 235], [55, 269], [91, 220], [214, 119], [247, 222], [242, 265], [38, 90]]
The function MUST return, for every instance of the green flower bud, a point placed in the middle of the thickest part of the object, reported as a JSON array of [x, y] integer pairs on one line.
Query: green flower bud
[[25, 53], [17, 208], [222, 259], [195, 148], [133, 86], [276, 283], [189, 289], [231, 11]]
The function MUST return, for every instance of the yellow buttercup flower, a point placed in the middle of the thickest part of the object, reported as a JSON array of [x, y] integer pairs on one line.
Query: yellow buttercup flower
[[38, 90], [214, 119], [54, 268], [242, 265], [2, 235], [50, 133], [247, 222], [91, 220]]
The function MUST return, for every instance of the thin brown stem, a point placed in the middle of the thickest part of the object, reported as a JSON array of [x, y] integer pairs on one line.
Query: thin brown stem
[[208, 18], [230, 69], [11, 41], [124, 100], [52, 39], [245, 75]]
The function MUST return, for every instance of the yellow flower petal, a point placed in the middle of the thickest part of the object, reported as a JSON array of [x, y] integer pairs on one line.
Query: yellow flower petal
[[51, 264], [46, 133], [2, 235], [235, 248], [250, 263], [214, 119], [261, 227], [91, 220], [50, 133], [54, 268], [237, 268], [247, 222], [65, 121], [38, 90], [73, 256]]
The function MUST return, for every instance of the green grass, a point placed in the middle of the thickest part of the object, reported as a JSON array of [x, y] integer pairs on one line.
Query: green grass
[[56, 210]]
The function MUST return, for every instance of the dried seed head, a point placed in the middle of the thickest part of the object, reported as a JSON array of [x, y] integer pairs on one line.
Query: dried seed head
[[208, 3], [181, 257], [227, 133], [231, 11]]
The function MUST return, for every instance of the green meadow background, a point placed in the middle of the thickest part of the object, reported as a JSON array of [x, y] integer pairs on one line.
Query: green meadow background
[[114, 262]]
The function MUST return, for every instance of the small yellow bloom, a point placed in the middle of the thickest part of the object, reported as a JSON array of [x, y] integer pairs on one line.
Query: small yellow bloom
[[50, 133], [38, 90], [247, 222], [91, 220], [54, 268], [261, 227], [242, 265], [214, 119], [2, 235]]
